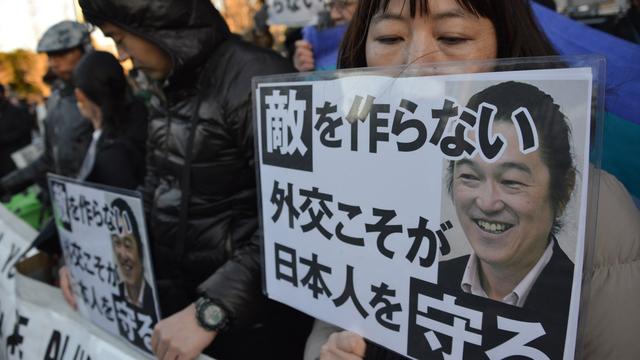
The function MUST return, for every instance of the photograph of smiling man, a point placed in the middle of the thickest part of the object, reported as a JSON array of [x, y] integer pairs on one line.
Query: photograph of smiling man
[[511, 209], [134, 301]]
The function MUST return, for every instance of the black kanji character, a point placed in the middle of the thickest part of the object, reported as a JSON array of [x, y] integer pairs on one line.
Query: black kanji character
[[443, 115], [76, 254], [352, 211], [87, 267], [400, 126], [99, 267], [383, 227], [112, 274], [15, 340], [418, 234], [292, 5], [356, 114], [107, 309], [526, 129], [455, 145], [97, 214], [14, 256], [316, 217], [1, 322], [83, 291], [384, 315], [328, 133], [313, 279], [279, 198], [376, 122], [445, 249], [290, 264], [349, 292], [489, 148], [95, 303]]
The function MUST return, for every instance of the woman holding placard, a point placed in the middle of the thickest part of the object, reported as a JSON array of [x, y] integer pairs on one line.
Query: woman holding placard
[[116, 154], [397, 32]]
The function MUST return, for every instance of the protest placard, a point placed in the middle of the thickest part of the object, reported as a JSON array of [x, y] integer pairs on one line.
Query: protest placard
[[438, 216], [105, 246], [295, 12], [35, 321], [15, 237]]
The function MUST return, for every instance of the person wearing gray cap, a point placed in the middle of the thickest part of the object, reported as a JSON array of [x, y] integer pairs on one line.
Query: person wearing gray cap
[[67, 133]]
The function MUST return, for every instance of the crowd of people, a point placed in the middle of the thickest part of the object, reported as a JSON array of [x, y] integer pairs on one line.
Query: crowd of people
[[189, 148]]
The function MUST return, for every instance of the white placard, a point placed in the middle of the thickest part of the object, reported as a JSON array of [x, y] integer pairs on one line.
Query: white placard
[[15, 237], [105, 244], [47, 328], [360, 229], [294, 12]]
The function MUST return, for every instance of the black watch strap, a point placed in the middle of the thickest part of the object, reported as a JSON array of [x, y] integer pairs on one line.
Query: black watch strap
[[210, 315]]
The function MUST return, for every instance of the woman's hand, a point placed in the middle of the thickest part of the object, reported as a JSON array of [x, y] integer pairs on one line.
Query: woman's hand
[[65, 286], [345, 345], [303, 56]]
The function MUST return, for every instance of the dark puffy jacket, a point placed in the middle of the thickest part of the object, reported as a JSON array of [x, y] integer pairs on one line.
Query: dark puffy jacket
[[67, 136], [15, 133], [209, 88]]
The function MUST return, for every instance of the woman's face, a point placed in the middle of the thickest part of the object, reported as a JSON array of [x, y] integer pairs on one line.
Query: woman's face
[[448, 33], [87, 108], [504, 207]]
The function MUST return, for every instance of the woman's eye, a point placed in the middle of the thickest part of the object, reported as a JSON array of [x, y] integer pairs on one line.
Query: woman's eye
[[452, 40], [388, 40]]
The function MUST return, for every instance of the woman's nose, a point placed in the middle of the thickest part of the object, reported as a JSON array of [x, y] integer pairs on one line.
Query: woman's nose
[[423, 50]]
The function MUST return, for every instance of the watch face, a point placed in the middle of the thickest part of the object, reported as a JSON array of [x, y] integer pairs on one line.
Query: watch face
[[212, 315]]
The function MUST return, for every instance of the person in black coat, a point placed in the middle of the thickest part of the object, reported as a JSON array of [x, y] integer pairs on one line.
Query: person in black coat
[[200, 187], [15, 132], [116, 154]]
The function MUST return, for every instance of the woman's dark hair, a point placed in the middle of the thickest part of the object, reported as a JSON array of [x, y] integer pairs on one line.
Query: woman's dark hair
[[121, 207], [518, 34], [100, 76], [553, 130]]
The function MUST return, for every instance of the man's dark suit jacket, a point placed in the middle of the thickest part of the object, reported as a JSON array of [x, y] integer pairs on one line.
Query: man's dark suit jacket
[[548, 303], [551, 293], [148, 307]]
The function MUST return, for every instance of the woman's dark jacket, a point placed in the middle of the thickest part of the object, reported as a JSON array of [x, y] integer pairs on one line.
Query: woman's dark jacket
[[120, 153], [208, 94], [15, 133]]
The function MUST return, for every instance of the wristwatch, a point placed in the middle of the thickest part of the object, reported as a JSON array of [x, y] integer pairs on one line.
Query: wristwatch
[[209, 315]]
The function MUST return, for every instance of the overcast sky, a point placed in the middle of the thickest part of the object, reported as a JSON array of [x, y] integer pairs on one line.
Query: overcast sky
[[22, 22]]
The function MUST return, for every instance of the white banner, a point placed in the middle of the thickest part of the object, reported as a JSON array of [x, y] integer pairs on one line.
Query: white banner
[[15, 237], [47, 328], [399, 207], [35, 321], [294, 12], [104, 240]]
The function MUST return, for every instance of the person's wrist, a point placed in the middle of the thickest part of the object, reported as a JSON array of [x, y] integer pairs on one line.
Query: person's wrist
[[211, 316]]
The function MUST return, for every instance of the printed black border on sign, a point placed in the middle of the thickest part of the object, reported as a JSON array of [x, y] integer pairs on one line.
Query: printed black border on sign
[[295, 161]]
